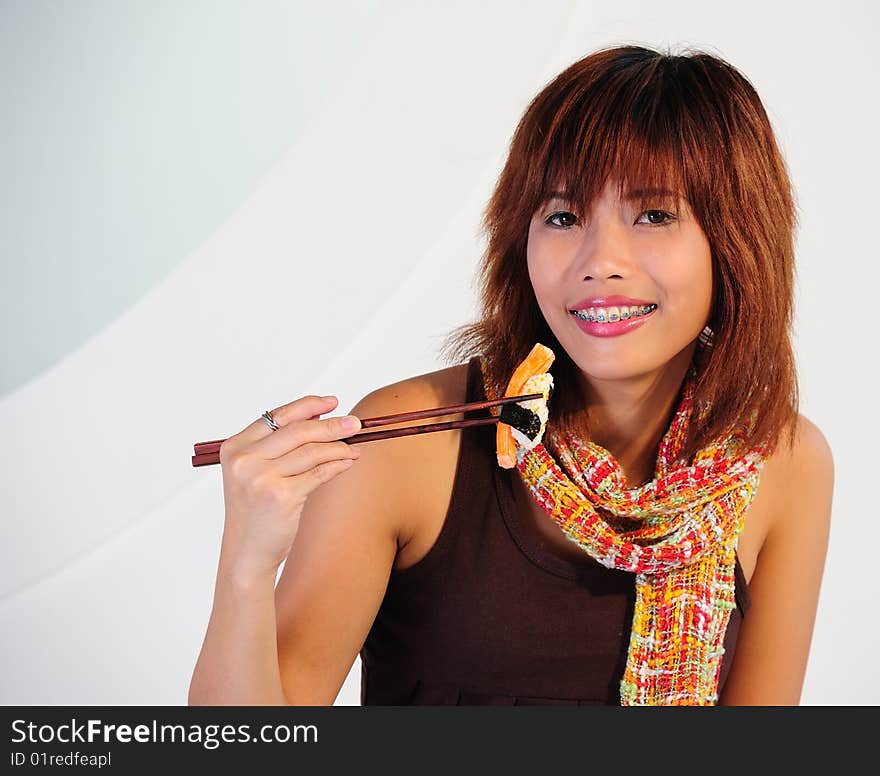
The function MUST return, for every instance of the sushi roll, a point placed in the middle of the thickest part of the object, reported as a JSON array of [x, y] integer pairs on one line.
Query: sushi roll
[[528, 419], [521, 425]]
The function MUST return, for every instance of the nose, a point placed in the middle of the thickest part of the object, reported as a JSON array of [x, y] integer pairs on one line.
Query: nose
[[604, 251]]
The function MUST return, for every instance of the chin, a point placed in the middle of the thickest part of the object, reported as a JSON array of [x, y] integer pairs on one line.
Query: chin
[[615, 374], [614, 368], [622, 364]]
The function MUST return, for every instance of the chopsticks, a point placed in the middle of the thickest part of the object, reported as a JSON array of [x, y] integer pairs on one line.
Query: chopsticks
[[208, 453]]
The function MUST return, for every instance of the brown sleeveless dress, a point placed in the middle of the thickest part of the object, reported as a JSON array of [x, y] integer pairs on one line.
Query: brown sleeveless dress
[[488, 617]]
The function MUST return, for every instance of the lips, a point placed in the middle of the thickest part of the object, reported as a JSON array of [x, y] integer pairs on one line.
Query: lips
[[614, 329]]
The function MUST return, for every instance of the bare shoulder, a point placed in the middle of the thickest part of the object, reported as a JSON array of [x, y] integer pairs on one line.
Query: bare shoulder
[[810, 447], [411, 393], [418, 469], [813, 452], [801, 472]]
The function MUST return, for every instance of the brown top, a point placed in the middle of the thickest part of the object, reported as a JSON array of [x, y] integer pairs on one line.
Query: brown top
[[489, 617]]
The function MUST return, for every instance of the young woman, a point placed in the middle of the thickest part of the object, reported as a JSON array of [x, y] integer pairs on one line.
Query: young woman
[[665, 544]]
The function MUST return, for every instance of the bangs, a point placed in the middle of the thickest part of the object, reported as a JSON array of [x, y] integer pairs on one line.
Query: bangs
[[641, 128]]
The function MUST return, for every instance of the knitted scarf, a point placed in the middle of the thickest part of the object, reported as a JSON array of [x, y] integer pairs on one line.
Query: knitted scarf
[[677, 533]]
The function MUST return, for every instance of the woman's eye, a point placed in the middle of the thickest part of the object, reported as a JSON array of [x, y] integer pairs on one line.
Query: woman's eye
[[661, 214], [562, 214], [655, 216]]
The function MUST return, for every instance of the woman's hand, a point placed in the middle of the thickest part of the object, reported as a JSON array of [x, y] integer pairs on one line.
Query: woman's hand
[[268, 475]]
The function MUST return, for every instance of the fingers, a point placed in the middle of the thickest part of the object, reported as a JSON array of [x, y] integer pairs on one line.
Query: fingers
[[303, 432], [315, 458], [304, 408]]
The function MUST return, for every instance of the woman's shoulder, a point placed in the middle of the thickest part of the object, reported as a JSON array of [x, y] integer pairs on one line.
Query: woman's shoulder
[[792, 472], [798, 470], [430, 389], [418, 470], [807, 455]]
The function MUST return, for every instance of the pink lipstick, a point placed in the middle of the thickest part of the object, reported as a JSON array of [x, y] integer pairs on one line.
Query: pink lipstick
[[625, 318]]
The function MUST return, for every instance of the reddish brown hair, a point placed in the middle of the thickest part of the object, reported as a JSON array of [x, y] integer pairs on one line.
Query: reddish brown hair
[[689, 123]]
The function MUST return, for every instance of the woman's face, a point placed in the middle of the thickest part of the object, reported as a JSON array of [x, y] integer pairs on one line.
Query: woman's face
[[659, 256]]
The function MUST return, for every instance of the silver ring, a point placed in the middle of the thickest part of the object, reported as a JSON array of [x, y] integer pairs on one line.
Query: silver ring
[[270, 421]]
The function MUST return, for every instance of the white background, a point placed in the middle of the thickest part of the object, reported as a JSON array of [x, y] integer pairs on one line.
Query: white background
[[211, 208]]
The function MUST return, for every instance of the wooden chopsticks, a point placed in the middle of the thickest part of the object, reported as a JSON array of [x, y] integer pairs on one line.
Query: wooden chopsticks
[[208, 453]]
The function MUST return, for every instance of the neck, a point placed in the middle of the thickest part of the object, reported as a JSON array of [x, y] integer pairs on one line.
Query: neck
[[629, 417]]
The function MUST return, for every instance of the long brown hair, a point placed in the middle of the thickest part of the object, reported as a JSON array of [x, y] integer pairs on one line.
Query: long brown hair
[[689, 123]]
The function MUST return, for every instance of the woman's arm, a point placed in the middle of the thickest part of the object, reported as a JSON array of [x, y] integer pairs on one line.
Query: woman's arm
[[238, 664], [295, 643], [774, 639], [338, 570]]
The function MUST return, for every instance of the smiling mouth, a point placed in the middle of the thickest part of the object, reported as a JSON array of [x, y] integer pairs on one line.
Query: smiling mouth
[[613, 314]]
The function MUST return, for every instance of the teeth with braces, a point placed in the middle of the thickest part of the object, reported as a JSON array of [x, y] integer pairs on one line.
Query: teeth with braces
[[612, 314]]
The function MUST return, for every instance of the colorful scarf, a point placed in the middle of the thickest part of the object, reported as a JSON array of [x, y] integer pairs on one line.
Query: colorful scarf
[[677, 533]]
